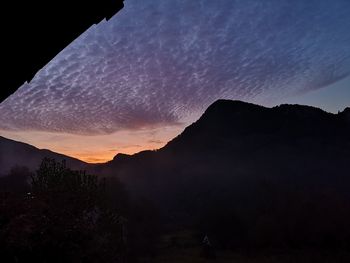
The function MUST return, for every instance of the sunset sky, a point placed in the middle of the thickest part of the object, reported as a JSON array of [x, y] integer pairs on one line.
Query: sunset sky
[[134, 82]]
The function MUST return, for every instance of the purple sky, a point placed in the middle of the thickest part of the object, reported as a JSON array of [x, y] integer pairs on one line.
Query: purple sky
[[155, 66]]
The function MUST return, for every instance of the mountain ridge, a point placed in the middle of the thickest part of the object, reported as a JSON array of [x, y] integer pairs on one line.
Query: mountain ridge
[[16, 153], [236, 142], [244, 107], [248, 177], [240, 115]]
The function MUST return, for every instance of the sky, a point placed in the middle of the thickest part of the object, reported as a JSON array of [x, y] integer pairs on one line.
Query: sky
[[136, 81]]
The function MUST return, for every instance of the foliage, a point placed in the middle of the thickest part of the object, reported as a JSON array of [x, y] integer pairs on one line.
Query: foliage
[[17, 181], [63, 219]]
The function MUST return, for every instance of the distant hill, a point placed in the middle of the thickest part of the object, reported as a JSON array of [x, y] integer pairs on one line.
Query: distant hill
[[13, 153]]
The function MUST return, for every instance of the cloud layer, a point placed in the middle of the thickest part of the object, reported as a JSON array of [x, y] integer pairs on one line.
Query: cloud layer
[[161, 62]]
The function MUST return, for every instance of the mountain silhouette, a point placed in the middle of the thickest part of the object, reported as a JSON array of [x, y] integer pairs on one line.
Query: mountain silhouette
[[245, 175], [238, 154], [13, 153]]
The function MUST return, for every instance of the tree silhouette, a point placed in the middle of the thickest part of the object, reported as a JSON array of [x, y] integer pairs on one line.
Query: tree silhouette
[[63, 219]]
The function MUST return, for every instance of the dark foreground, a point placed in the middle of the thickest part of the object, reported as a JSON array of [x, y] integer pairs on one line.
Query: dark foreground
[[193, 255], [184, 247]]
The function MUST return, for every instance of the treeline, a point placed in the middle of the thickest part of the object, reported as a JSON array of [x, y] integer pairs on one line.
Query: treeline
[[61, 215]]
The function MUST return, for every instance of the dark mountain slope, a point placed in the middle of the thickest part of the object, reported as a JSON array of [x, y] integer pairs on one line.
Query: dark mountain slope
[[13, 153], [246, 175], [240, 153]]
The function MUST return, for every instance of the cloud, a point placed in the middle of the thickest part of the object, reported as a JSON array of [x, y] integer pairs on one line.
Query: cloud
[[160, 62], [155, 141]]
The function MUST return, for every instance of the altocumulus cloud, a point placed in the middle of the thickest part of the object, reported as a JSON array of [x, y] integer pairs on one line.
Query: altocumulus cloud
[[157, 62]]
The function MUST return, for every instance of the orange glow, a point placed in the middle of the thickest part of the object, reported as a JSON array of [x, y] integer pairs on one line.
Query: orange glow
[[97, 148]]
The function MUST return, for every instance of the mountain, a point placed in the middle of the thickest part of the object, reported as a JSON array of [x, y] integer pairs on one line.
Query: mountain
[[240, 155], [245, 175], [13, 153]]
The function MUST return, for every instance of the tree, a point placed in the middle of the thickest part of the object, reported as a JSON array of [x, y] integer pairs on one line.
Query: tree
[[63, 219]]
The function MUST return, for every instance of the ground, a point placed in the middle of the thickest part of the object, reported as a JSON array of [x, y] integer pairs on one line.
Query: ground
[[182, 247]]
